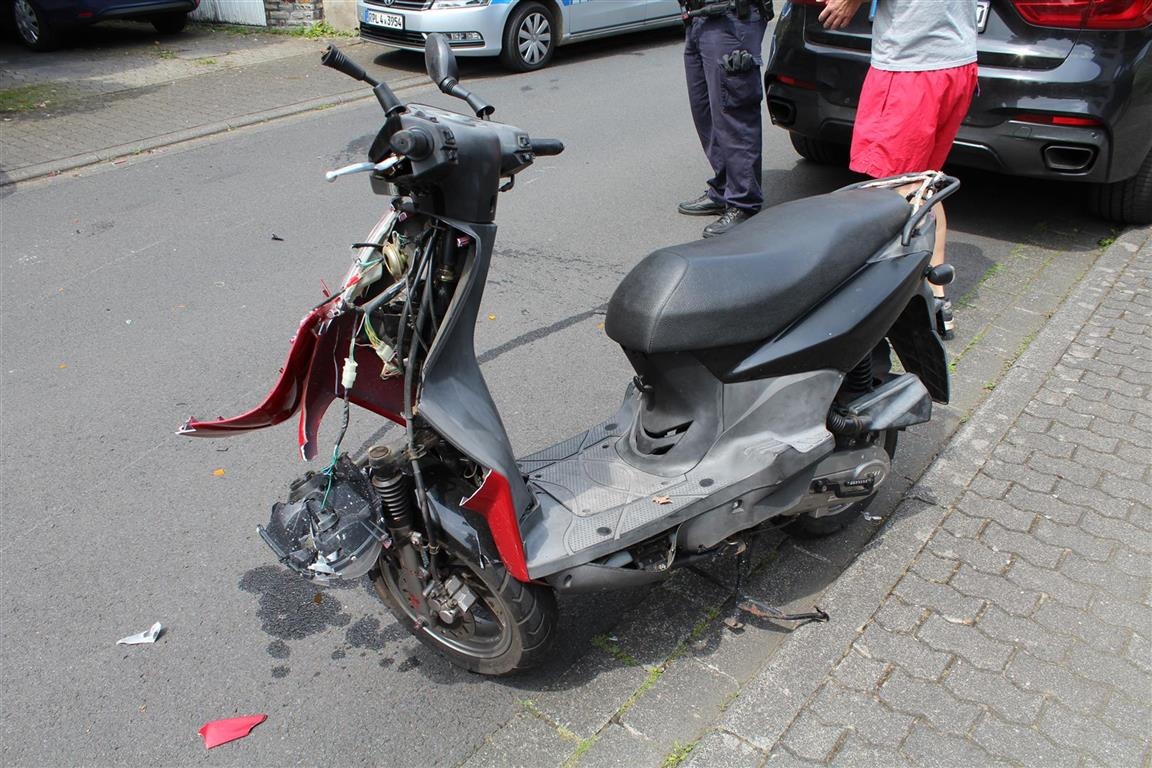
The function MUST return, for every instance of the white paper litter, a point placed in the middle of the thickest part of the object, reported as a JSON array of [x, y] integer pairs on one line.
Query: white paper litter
[[147, 636]]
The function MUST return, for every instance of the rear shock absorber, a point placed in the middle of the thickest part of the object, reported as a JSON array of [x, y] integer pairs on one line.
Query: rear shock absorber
[[394, 489], [859, 379]]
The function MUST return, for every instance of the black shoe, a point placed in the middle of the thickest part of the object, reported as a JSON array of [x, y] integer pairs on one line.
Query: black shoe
[[701, 206], [945, 321], [731, 218]]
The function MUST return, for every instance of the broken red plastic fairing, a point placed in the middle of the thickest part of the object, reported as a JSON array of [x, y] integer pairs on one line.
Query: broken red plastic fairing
[[220, 732], [493, 500], [310, 382]]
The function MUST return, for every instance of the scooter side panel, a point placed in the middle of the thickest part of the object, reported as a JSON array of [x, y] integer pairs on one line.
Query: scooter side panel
[[454, 397], [841, 331], [597, 501]]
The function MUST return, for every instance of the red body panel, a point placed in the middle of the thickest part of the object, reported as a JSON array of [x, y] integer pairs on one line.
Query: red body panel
[[493, 500], [310, 382]]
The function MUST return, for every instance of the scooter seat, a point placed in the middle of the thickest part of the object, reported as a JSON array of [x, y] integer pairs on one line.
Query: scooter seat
[[751, 283]]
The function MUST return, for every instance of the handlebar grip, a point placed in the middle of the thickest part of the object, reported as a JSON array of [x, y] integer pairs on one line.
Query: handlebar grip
[[333, 57], [545, 147]]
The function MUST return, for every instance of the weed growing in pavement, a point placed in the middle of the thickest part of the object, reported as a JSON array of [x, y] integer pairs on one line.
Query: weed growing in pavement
[[678, 753], [164, 53], [1104, 242], [206, 62], [614, 650], [581, 748], [531, 708]]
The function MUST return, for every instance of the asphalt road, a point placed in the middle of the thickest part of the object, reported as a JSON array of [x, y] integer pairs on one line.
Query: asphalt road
[[135, 296]]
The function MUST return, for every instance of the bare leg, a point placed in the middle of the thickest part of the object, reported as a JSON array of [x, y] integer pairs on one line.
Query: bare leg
[[938, 248]]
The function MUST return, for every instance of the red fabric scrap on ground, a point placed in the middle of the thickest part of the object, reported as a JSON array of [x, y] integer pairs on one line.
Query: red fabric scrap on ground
[[220, 732]]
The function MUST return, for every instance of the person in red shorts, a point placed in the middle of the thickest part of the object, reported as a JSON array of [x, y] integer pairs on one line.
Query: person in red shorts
[[918, 89]]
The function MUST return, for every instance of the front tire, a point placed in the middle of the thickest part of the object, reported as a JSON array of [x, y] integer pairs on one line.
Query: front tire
[[1128, 201], [509, 629], [808, 527], [32, 26], [529, 38]]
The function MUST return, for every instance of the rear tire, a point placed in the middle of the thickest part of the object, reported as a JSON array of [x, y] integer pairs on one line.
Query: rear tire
[[1128, 201], [530, 38], [32, 27], [818, 150], [170, 23], [508, 630], [808, 527]]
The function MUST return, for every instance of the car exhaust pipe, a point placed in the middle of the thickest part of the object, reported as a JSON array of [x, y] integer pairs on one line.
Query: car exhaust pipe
[[1069, 158], [782, 112]]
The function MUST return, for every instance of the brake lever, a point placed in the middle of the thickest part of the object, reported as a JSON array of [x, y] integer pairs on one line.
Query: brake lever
[[348, 170]]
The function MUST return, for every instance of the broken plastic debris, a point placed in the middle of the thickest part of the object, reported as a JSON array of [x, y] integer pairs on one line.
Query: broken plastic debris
[[218, 472], [662, 499], [277, 238], [147, 636], [734, 624], [491, 317], [220, 732]]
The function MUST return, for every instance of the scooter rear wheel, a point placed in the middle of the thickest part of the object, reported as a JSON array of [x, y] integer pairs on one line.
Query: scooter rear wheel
[[808, 527], [509, 628]]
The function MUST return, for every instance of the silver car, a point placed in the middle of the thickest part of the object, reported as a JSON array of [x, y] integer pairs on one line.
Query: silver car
[[523, 33]]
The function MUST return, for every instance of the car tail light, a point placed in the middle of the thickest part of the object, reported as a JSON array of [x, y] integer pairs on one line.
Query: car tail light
[[1086, 14], [788, 80], [1078, 121]]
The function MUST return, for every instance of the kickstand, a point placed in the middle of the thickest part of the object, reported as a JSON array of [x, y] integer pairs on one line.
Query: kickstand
[[765, 611]]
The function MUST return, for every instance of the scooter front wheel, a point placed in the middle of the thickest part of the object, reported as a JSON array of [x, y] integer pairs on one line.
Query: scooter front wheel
[[508, 629]]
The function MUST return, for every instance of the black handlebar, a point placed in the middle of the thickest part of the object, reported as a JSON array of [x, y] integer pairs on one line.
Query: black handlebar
[[545, 147], [335, 58]]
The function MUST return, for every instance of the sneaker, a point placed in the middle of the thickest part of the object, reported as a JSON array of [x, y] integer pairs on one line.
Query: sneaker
[[701, 206], [945, 321], [731, 218]]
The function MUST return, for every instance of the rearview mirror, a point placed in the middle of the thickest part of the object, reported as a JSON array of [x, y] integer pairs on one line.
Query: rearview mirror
[[440, 62]]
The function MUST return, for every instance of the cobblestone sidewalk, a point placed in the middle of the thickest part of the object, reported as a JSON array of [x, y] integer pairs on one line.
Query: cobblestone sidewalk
[[1020, 635]]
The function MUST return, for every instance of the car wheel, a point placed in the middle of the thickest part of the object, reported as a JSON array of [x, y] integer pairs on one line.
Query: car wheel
[[1128, 201], [31, 26], [819, 151], [529, 38], [170, 23]]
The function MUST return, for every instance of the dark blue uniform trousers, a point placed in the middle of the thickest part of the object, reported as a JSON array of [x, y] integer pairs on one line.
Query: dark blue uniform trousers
[[726, 107]]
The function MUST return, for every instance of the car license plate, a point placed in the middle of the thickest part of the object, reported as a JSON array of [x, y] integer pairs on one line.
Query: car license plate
[[378, 19], [981, 15]]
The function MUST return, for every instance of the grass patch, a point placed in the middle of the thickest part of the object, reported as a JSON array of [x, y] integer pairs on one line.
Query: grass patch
[[166, 54], [614, 650], [317, 31], [26, 98], [206, 62], [581, 748], [1104, 242], [678, 753]]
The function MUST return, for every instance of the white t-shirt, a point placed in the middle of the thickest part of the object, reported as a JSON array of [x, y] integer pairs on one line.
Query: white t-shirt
[[921, 35]]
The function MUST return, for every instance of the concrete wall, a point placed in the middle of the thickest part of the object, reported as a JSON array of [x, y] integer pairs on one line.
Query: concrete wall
[[341, 14]]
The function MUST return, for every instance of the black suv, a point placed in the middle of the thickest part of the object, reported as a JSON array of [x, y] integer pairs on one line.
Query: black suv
[[1065, 93]]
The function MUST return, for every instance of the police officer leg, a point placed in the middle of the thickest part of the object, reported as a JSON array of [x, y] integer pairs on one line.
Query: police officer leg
[[734, 44], [701, 88]]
